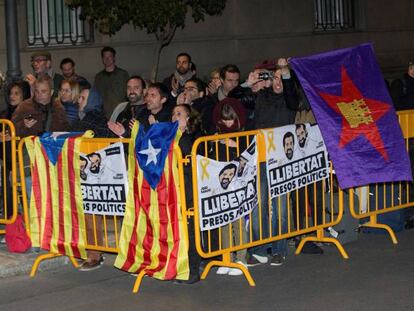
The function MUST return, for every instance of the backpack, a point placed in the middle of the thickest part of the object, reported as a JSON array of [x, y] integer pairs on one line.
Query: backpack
[[17, 239]]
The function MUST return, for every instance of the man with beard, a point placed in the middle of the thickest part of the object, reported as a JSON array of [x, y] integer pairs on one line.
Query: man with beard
[[175, 82], [67, 67], [226, 175], [95, 168], [155, 110], [288, 145], [134, 107], [306, 144], [83, 164]]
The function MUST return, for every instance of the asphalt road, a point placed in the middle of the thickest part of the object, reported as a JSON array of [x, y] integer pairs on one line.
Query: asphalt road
[[378, 276]]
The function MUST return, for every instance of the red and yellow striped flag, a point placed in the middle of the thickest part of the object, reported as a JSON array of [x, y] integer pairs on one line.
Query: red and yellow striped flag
[[57, 222], [153, 237]]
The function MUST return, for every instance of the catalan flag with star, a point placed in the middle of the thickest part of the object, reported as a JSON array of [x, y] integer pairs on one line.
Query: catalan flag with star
[[153, 236], [354, 111], [57, 221]]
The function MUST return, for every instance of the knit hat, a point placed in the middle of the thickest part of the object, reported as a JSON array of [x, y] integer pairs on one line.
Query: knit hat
[[267, 64]]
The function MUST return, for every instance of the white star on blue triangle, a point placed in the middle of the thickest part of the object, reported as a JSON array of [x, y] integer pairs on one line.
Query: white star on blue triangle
[[151, 153]]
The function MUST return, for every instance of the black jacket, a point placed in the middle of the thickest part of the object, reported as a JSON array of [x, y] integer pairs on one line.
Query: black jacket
[[93, 120], [274, 110], [402, 93]]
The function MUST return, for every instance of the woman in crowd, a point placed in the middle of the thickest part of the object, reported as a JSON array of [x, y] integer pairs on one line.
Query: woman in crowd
[[189, 124], [215, 82], [229, 116], [17, 92], [90, 115], [68, 96]]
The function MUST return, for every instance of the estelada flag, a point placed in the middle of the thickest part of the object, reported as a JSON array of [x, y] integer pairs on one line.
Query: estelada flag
[[57, 222], [354, 111], [153, 235]]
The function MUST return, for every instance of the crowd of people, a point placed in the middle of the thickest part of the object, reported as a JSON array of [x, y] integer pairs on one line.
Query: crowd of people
[[46, 100]]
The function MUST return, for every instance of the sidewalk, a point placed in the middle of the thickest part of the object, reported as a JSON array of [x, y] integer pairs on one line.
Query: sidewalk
[[12, 264]]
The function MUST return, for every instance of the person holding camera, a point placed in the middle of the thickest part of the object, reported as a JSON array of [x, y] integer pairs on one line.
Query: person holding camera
[[275, 105]]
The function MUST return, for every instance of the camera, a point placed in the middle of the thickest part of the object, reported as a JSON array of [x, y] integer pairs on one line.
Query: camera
[[266, 75]]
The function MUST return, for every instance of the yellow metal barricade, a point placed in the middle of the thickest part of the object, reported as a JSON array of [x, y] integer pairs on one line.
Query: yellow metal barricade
[[102, 231], [8, 176], [327, 209], [376, 199]]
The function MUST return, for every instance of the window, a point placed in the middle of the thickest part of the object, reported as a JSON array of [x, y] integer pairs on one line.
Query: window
[[334, 15], [51, 22]]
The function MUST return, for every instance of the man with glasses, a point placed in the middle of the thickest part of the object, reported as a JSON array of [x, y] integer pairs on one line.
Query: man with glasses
[[42, 65], [194, 95]]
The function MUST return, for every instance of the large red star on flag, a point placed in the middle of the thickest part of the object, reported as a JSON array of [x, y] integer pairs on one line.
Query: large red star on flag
[[359, 114]]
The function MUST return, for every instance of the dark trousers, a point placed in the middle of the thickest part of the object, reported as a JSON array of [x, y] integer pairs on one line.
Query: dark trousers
[[299, 205], [193, 256]]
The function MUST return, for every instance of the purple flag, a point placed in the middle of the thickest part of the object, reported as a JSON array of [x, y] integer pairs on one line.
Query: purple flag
[[356, 116]]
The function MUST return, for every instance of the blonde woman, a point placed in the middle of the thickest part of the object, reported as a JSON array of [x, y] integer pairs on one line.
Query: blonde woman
[[68, 95]]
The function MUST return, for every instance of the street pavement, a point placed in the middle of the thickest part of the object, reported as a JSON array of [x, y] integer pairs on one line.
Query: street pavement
[[378, 276]]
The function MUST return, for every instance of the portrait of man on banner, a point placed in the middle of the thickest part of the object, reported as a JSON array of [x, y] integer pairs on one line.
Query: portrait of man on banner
[[295, 156], [227, 191], [104, 181]]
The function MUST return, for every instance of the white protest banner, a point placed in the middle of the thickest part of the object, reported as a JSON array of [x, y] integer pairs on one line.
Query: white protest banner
[[227, 191], [104, 181], [295, 156]]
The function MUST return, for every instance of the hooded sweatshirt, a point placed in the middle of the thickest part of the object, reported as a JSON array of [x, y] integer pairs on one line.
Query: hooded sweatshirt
[[92, 116]]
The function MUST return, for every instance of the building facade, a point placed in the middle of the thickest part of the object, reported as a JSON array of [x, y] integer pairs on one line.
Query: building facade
[[247, 32]]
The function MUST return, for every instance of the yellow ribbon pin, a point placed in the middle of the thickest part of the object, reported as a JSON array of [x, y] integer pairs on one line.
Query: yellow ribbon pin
[[204, 163], [270, 141]]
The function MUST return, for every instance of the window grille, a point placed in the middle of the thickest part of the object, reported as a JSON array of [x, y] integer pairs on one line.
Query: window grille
[[51, 22], [334, 15]]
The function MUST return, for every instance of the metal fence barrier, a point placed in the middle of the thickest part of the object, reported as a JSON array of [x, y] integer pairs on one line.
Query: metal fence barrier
[[387, 197], [8, 176], [102, 231], [313, 208], [325, 207]]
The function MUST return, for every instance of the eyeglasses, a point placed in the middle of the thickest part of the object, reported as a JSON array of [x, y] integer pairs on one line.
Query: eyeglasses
[[190, 88], [38, 60], [65, 91]]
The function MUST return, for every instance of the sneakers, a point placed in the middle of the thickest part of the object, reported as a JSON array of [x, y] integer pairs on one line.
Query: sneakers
[[223, 270], [277, 260], [91, 265], [254, 260], [235, 271], [231, 271]]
